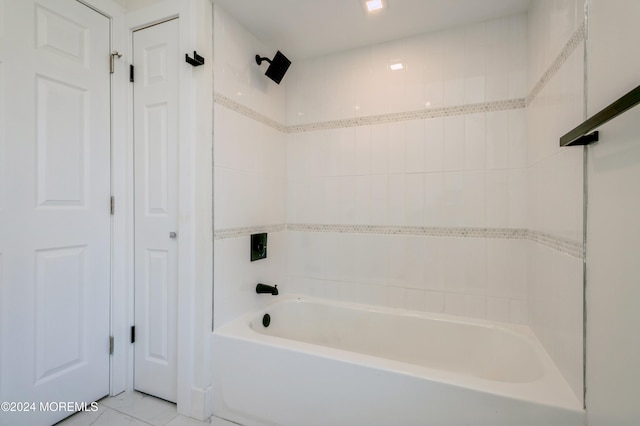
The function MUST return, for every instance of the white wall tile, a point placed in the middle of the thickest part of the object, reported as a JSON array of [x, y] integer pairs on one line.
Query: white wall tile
[[453, 207], [434, 70], [415, 299], [475, 142], [414, 71], [434, 145], [454, 67], [518, 199], [474, 199], [363, 205], [434, 199], [347, 200], [434, 301], [348, 162], [433, 264], [475, 266], [453, 249], [363, 150], [518, 312], [498, 140], [397, 147], [379, 214], [332, 200], [414, 253], [397, 197], [380, 148], [415, 146], [455, 304], [414, 199], [497, 202], [397, 297], [462, 170], [475, 306], [498, 309], [498, 277], [454, 141]]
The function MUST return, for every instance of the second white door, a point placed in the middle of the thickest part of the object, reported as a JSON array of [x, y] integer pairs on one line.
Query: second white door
[[155, 60]]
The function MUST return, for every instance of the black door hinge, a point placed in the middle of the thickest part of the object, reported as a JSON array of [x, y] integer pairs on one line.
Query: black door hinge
[[111, 344], [131, 73], [133, 334]]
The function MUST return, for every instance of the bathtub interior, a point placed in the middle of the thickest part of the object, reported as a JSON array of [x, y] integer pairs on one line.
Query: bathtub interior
[[323, 371], [485, 350]]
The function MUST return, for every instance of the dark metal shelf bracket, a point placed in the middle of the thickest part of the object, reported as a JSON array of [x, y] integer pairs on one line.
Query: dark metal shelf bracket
[[584, 134]]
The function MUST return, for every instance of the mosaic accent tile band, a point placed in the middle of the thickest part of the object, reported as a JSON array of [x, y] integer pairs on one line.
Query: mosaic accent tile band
[[574, 41], [563, 245], [248, 112], [410, 115], [221, 234], [426, 231], [395, 117]]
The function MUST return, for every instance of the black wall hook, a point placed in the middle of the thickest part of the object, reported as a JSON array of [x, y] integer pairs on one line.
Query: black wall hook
[[196, 61]]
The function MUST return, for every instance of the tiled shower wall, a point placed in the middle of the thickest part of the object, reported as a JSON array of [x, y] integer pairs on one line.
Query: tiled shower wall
[[408, 188], [556, 105], [249, 170], [440, 187]]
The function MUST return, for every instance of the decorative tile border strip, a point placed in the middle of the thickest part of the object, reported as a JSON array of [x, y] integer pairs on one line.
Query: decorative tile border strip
[[564, 245], [221, 234], [410, 115], [372, 119], [574, 41], [248, 112], [425, 231]]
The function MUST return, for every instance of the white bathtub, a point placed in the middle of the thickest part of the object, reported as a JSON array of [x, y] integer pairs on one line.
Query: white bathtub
[[328, 363]]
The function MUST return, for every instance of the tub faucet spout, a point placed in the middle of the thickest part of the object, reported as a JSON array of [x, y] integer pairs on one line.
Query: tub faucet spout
[[263, 288]]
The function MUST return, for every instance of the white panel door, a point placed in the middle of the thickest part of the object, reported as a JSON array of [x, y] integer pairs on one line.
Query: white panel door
[[54, 206], [155, 91]]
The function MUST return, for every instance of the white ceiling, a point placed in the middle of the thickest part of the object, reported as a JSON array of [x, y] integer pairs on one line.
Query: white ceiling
[[308, 28]]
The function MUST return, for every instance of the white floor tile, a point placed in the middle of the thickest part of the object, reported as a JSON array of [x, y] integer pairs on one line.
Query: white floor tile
[[217, 421], [103, 417], [143, 407], [136, 409], [180, 420]]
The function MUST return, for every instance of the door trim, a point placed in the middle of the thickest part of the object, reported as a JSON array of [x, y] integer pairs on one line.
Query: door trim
[[195, 227]]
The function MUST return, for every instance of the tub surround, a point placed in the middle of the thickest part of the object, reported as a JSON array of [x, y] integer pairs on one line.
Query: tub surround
[[385, 195]]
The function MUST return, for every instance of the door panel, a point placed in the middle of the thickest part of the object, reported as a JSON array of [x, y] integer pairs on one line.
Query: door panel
[[54, 205], [156, 151]]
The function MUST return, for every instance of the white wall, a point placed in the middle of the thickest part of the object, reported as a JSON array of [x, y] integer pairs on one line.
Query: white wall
[[249, 170], [613, 230], [381, 204], [555, 179]]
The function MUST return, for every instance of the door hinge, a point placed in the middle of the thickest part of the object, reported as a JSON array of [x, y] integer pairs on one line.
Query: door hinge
[[112, 58], [113, 205], [131, 73], [111, 345], [133, 334]]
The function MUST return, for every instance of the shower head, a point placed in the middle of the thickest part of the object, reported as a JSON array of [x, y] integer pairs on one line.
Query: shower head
[[278, 66]]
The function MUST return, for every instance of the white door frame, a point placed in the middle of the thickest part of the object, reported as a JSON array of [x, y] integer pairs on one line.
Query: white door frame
[[195, 204]]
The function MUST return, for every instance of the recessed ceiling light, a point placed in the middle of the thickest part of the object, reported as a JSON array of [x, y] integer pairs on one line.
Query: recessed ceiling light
[[396, 66], [373, 5]]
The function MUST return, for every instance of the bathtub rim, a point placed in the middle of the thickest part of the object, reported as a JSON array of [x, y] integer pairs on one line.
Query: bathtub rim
[[551, 389]]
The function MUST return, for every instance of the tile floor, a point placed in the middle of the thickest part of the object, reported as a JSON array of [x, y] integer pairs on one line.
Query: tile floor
[[136, 409]]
